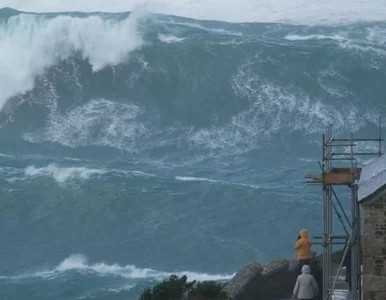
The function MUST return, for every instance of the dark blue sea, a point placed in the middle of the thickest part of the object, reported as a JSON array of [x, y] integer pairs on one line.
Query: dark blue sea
[[134, 146]]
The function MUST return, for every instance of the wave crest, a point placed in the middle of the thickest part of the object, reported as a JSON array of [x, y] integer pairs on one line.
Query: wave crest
[[62, 174], [98, 122], [101, 41], [79, 262], [188, 98], [300, 11]]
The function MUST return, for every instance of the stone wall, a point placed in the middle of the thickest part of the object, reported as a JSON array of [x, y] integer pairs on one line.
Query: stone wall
[[374, 248], [271, 281]]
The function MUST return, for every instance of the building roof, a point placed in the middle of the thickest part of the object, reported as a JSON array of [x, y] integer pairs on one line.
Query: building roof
[[373, 178]]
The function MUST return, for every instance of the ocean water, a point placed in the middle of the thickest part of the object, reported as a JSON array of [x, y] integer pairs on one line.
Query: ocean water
[[136, 145]]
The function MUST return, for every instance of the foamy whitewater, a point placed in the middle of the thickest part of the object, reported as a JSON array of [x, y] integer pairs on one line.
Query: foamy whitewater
[[139, 145]]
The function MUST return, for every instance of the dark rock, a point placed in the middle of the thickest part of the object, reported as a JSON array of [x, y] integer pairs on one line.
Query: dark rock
[[275, 267], [246, 284], [253, 282], [293, 272], [276, 277], [293, 266]]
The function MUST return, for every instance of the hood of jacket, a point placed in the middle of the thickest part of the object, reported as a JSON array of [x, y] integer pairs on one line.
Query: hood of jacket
[[306, 269], [303, 234]]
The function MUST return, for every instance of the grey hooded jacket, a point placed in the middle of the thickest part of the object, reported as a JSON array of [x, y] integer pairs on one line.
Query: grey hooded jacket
[[306, 286]]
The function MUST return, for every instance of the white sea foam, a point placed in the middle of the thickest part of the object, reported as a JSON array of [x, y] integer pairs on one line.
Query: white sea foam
[[169, 39], [118, 121], [126, 127], [62, 174], [26, 52], [185, 23], [78, 262], [127, 287], [140, 173], [299, 11], [190, 178], [272, 109], [288, 108], [296, 37]]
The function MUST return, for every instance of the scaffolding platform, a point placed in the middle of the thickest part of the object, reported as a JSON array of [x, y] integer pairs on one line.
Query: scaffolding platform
[[329, 177], [336, 176]]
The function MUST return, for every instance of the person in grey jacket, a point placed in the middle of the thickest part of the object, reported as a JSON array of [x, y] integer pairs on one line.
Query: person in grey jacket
[[306, 287]]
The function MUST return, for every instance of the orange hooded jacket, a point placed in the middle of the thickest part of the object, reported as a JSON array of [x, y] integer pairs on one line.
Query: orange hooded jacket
[[303, 246]]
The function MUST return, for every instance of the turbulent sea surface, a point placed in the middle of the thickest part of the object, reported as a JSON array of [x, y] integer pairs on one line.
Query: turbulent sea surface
[[135, 146]]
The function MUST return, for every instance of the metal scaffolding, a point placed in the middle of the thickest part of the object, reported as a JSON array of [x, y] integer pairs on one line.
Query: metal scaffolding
[[329, 177]]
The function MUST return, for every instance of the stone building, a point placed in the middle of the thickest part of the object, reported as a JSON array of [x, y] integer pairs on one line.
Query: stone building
[[372, 197]]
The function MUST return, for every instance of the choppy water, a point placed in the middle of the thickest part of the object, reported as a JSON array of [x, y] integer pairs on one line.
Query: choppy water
[[134, 146]]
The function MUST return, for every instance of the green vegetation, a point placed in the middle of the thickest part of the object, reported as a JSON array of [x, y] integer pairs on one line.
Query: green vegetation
[[179, 288], [176, 288], [336, 257], [208, 290]]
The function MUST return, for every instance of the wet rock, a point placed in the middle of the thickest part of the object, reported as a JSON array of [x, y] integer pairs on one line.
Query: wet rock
[[247, 283]]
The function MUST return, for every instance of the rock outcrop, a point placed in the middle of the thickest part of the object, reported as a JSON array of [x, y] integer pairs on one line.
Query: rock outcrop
[[271, 281], [246, 284]]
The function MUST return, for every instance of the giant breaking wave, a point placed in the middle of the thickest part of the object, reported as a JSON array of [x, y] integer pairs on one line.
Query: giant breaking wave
[[151, 84], [151, 142]]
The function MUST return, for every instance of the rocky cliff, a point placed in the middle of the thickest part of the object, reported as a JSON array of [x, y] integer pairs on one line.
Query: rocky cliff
[[271, 281]]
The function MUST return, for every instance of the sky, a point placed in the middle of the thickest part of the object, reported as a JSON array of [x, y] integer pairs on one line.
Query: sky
[[296, 11]]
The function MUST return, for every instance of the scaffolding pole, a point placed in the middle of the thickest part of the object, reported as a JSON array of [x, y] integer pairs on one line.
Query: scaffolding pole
[[341, 176]]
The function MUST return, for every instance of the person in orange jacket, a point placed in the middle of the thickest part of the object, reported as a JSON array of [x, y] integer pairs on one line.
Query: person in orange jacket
[[303, 248]]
